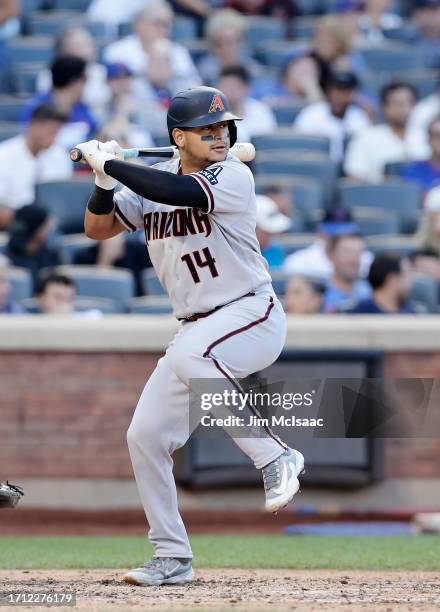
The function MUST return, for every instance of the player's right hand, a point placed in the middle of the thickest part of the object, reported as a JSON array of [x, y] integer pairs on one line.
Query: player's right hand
[[113, 147]]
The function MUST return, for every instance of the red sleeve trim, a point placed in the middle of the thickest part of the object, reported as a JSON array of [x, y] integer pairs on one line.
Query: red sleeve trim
[[123, 219], [207, 189]]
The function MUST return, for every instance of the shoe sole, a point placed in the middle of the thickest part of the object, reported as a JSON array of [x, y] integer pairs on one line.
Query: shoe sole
[[181, 579], [275, 509]]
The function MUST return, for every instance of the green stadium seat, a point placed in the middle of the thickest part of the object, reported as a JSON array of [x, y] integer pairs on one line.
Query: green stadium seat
[[150, 305], [21, 283], [66, 200], [402, 197], [101, 282], [151, 283]]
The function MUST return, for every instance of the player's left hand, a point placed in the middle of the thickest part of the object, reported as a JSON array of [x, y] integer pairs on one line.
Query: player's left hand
[[96, 158]]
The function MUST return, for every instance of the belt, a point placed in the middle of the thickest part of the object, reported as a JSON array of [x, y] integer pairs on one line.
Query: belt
[[201, 315]]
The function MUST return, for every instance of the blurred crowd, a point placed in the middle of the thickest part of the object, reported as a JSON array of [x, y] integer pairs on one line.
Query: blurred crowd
[[341, 98]]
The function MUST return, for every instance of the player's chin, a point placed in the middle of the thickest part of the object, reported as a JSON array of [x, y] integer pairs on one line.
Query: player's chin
[[216, 155]]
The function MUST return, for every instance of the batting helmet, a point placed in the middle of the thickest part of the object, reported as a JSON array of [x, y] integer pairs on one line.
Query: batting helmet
[[200, 106]]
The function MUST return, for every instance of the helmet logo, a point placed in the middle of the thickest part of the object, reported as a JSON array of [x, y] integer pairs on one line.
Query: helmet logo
[[216, 104]]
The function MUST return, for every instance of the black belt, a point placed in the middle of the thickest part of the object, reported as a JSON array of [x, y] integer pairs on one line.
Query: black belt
[[201, 315]]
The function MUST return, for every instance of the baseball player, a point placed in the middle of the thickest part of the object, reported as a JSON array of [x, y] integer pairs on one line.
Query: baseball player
[[198, 214]]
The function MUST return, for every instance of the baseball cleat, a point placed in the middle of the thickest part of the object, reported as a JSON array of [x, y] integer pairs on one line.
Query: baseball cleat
[[280, 478], [161, 570]]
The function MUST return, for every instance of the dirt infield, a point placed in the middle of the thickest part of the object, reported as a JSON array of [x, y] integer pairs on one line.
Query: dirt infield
[[230, 589]]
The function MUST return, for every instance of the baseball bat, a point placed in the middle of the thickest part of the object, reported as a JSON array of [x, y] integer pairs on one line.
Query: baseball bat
[[245, 151]]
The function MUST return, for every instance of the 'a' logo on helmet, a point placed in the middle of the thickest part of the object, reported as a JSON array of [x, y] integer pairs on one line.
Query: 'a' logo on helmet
[[216, 104]]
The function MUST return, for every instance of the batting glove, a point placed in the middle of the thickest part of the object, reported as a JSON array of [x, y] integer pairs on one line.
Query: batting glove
[[96, 158]]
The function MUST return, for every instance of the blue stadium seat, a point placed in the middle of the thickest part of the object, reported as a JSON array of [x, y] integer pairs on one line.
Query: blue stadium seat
[[74, 5], [25, 49], [279, 280], [307, 196], [304, 27], [3, 241], [374, 221], [11, 107], [315, 166], [25, 77], [278, 52], [401, 197], [184, 28], [425, 291], [66, 200], [312, 7], [27, 6], [401, 244], [21, 283], [150, 305], [151, 283], [260, 28], [292, 243], [43, 23], [197, 48], [286, 114], [392, 58], [102, 282], [9, 129], [284, 139], [72, 244]]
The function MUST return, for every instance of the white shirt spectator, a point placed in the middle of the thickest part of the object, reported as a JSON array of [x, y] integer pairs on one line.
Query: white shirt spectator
[[375, 34], [317, 119], [258, 119], [20, 170], [114, 12], [130, 52], [422, 115], [313, 262], [369, 151]]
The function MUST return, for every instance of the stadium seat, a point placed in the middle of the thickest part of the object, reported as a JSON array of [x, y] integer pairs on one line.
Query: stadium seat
[[25, 49], [392, 58], [197, 48], [374, 221], [101, 282], [304, 27], [82, 304], [74, 5], [292, 243], [286, 114], [184, 28], [11, 107], [151, 283], [3, 241], [307, 196], [9, 129], [150, 305], [279, 279], [313, 165], [402, 197], [311, 7], [260, 28], [25, 77], [27, 6], [401, 244], [394, 168], [21, 283], [44, 23], [66, 200], [71, 244], [284, 139], [278, 52], [425, 291]]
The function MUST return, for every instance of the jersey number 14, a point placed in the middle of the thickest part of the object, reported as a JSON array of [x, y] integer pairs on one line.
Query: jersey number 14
[[195, 259]]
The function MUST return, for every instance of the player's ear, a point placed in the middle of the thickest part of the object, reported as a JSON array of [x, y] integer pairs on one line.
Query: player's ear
[[179, 137]]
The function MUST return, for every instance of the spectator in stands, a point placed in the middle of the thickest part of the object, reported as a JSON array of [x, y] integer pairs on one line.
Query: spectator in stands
[[78, 42], [426, 18], [304, 295], [344, 289], [427, 262], [377, 19], [426, 172], [56, 295], [390, 279], [284, 9], [153, 22], [313, 261], [270, 222], [30, 158], [226, 35], [68, 82], [257, 116], [7, 306], [423, 114], [28, 240], [114, 12], [121, 116], [370, 150], [9, 27], [298, 83], [337, 117], [428, 235]]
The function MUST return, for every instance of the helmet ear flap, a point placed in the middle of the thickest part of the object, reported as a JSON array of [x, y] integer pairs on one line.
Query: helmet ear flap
[[232, 133]]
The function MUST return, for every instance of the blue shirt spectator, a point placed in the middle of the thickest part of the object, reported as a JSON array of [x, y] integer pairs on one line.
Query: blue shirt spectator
[[422, 172], [370, 306], [337, 299], [271, 222], [69, 79]]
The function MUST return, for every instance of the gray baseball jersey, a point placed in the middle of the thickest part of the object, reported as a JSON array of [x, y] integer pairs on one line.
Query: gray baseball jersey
[[203, 260]]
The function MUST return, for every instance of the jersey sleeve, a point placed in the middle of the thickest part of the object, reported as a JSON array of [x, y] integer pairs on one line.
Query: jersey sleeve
[[129, 209], [228, 186]]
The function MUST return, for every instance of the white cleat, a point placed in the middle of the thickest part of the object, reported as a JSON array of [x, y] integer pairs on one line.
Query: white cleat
[[280, 478], [161, 570]]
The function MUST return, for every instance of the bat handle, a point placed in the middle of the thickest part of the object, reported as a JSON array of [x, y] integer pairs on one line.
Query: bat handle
[[76, 154]]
